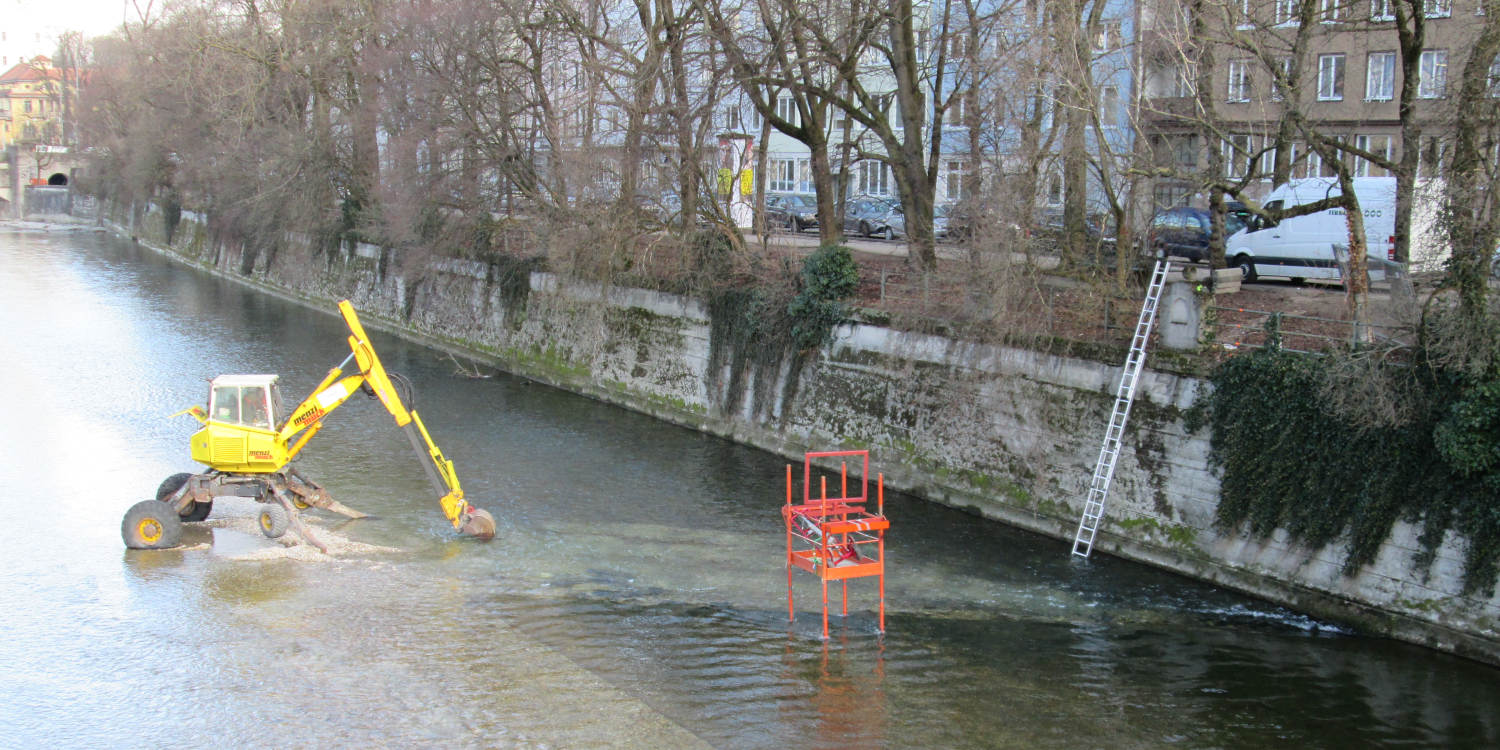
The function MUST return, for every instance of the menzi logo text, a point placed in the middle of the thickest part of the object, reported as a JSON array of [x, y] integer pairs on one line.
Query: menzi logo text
[[313, 415]]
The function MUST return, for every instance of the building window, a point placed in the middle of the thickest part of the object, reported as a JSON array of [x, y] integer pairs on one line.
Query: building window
[[958, 46], [1054, 189], [1494, 81], [1280, 79], [954, 184], [26, 106], [1286, 12], [1439, 8], [1181, 82], [1379, 145], [874, 178], [1332, 11], [956, 109], [1380, 77], [786, 109], [1171, 194], [1236, 156], [1239, 80], [1330, 78], [1432, 81], [783, 176], [1185, 152], [1380, 10], [1109, 36], [1109, 106]]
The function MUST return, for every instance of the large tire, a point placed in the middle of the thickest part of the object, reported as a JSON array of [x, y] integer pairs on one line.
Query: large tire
[[169, 487], [273, 520], [890, 234], [151, 524], [1247, 267]]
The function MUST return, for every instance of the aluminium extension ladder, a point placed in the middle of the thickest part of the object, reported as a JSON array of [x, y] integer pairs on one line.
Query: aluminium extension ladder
[[1104, 470]]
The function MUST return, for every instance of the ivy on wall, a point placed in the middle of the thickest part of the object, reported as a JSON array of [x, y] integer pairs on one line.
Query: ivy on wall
[[756, 325], [1288, 461]]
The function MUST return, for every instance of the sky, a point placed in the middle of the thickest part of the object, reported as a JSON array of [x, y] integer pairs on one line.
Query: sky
[[23, 19]]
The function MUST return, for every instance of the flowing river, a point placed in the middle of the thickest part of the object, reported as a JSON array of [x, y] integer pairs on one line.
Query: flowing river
[[634, 595]]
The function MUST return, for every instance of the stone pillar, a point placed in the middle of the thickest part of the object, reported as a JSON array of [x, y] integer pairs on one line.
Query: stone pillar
[[1180, 317], [13, 160]]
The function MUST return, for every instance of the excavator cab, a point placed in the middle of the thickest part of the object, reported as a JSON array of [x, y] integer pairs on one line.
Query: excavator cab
[[239, 434]]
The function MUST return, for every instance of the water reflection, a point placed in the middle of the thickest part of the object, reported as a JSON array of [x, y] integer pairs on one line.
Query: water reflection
[[634, 595]]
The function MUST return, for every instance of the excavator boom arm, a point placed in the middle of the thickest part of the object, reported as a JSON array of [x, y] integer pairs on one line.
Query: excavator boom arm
[[372, 377]]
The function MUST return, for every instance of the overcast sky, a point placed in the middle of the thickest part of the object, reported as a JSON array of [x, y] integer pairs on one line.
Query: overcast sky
[[92, 17]]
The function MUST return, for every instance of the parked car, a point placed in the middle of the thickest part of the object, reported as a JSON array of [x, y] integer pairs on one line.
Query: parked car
[[1047, 233], [1302, 247], [1184, 231], [941, 215], [870, 216], [968, 219], [794, 211]]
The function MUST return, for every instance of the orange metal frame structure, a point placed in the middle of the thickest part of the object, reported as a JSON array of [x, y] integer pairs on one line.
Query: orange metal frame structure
[[835, 538]]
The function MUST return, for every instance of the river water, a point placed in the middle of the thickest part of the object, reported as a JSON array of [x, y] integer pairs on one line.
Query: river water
[[634, 596]]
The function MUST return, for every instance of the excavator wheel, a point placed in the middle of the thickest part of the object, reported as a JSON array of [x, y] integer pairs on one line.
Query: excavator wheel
[[273, 520], [169, 487], [480, 524], [151, 524]]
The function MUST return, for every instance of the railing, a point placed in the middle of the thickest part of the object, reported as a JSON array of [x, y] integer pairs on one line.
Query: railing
[[1243, 328]]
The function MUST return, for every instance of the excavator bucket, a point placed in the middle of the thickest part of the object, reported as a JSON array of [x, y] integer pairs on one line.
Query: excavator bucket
[[478, 524]]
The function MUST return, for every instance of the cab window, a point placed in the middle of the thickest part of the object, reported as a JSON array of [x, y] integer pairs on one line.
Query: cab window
[[255, 410], [246, 405]]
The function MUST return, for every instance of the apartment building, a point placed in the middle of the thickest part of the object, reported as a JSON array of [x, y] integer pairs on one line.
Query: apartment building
[[1345, 83]]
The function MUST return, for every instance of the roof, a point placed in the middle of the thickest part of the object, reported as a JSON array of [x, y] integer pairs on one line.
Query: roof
[[36, 69], [243, 380]]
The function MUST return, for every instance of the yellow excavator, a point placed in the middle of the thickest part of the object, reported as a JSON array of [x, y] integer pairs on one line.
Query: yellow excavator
[[248, 441]]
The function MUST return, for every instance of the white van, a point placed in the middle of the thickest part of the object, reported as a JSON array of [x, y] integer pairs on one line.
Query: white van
[[1302, 247]]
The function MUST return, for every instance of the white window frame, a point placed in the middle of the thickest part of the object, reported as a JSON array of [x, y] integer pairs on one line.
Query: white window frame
[[955, 113], [1236, 150], [1286, 12], [1277, 92], [1363, 142], [1380, 10], [1438, 8], [786, 109], [1109, 106], [1332, 11], [1380, 76], [953, 185], [874, 177], [783, 175], [1331, 77], [1493, 84], [1109, 36], [1432, 77], [1239, 80]]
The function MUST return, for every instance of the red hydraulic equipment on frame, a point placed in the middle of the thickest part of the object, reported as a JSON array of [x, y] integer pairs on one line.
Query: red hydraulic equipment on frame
[[835, 538]]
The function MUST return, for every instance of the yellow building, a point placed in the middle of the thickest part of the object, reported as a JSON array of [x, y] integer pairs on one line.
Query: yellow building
[[31, 104]]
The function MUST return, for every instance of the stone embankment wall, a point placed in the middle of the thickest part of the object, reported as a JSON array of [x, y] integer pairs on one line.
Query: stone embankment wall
[[1006, 433]]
